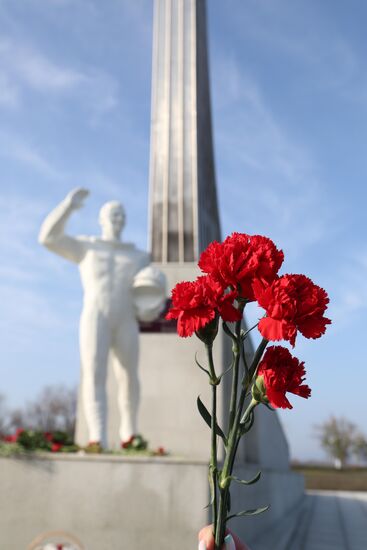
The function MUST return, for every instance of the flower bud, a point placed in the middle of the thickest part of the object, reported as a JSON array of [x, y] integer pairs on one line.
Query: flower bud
[[208, 333], [259, 390]]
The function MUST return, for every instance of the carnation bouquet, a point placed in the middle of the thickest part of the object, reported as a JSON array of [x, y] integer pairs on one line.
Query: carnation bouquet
[[242, 269]]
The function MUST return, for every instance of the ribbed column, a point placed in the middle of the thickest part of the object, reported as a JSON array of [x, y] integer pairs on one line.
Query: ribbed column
[[183, 203]]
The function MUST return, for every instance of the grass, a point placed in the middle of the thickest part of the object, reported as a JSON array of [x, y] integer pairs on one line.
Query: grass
[[351, 478]]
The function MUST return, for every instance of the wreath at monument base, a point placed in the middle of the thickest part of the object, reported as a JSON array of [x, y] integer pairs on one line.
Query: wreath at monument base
[[29, 441]]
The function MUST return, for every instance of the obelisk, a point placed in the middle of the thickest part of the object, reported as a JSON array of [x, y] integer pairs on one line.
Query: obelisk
[[183, 206]]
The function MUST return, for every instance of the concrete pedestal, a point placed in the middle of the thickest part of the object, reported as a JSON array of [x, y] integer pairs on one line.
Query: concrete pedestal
[[118, 503]]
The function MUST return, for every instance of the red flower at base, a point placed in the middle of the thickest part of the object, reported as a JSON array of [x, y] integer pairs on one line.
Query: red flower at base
[[14, 438], [279, 372], [195, 304], [126, 444], [55, 447], [160, 451], [240, 260], [292, 302]]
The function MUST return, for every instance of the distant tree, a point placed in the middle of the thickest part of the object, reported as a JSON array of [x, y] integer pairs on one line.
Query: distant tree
[[53, 409], [17, 418], [337, 437], [360, 448], [4, 417]]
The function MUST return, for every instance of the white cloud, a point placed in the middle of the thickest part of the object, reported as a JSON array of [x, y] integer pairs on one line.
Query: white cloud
[[19, 150], [24, 68], [35, 69], [43, 75]]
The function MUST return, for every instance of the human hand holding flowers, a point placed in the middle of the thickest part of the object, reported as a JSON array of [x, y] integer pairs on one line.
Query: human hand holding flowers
[[231, 541]]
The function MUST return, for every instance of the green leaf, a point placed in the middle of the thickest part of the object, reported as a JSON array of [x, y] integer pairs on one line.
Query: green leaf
[[200, 367], [212, 491], [228, 331], [209, 504], [225, 372], [248, 425], [253, 512], [245, 333], [208, 419], [249, 482]]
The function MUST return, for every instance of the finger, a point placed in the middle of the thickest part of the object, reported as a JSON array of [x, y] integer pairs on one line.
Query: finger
[[229, 543], [238, 544], [206, 537]]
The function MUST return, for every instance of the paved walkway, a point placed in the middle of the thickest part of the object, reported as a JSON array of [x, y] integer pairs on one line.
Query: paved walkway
[[326, 520], [336, 521]]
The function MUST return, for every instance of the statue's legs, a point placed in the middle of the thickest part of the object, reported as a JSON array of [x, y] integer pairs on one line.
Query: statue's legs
[[94, 350], [125, 364]]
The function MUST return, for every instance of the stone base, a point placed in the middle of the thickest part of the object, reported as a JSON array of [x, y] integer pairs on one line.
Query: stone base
[[114, 502]]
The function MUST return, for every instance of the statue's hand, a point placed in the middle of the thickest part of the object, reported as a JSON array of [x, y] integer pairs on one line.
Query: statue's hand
[[76, 197]]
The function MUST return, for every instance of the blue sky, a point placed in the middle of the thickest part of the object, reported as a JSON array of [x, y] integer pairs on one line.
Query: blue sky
[[289, 95]]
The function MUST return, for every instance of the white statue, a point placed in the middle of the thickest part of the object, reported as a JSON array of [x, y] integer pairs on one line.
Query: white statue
[[118, 288]]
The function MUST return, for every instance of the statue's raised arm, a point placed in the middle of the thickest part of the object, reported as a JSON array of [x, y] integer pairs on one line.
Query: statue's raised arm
[[52, 234]]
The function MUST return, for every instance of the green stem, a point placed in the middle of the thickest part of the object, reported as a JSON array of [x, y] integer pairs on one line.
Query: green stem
[[219, 533], [209, 352], [213, 457], [234, 437], [219, 530], [236, 347], [213, 468]]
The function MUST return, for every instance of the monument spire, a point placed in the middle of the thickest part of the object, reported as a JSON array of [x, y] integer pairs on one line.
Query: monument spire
[[183, 209]]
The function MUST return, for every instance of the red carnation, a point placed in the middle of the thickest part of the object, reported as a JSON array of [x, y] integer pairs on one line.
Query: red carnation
[[292, 302], [240, 260], [279, 372], [195, 304], [14, 438], [55, 447]]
